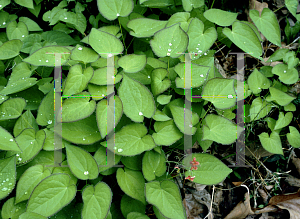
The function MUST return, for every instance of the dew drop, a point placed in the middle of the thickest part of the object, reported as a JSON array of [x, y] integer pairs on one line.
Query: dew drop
[[7, 179], [80, 48], [140, 113], [197, 48], [49, 122], [168, 54], [40, 60], [170, 44], [25, 193], [17, 155], [0, 6], [9, 184], [120, 150], [271, 60], [4, 23], [4, 189], [148, 76], [200, 51], [86, 173], [11, 139], [190, 126], [66, 18], [47, 61], [205, 53], [31, 143], [102, 95], [169, 50], [83, 139], [259, 88], [201, 76], [19, 158], [284, 71]]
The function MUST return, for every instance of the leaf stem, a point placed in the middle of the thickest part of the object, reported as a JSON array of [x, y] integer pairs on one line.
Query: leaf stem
[[122, 36]]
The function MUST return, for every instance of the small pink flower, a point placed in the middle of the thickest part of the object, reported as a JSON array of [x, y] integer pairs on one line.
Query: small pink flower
[[190, 178], [194, 164]]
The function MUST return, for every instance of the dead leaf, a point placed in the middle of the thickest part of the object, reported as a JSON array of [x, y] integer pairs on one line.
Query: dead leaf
[[263, 195], [241, 210], [283, 197], [293, 181], [296, 162], [237, 183]]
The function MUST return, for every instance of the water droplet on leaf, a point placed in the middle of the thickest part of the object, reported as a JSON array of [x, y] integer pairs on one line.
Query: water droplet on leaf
[[86, 173], [140, 113], [80, 48]]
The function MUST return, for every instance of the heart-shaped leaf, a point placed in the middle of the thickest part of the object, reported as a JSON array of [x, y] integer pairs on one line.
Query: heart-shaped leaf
[[293, 137], [112, 9], [154, 164], [257, 81], [166, 133], [259, 109], [10, 49], [159, 83], [271, 143], [281, 97], [132, 63], [7, 176], [145, 27], [283, 120], [220, 17], [286, 75]]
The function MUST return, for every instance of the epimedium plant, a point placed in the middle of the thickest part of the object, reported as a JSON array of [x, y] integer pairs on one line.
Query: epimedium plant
[[149, 102]]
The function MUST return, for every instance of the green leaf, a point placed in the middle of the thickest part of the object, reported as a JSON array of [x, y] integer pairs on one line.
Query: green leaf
[[31, 25], [286, 75], [10, 49], [134, 162], [292, 6], [75, 109], [25, 3], [7, 142], [45, 114], [77, 79], [4, 3], [153, 165], [132, 140], [112, 9], [278, 55], [198, 77], [101, 157], [103, 111], [200, 41], [267, 24], [137, 100], [164, 99], [293, 137], [166, 197], [7, 175], [96, 201], [104, 43], [130, 205], [132, 63], [271, 143], [271, 122], [84, 131], [220, 17], [26, 120], [31, 42], [160, 116], [290, 107], [170, 41], [281, 98], [12, 210], [84, 54], [100, 77], [82, 163], [155, 63], [16, 30], [166, 133], [30, 142], [145, 27], [12, 108], [220, 92], [58, 37], [19, 80], [156, 3], [45, 56], [66, 170], [31, 215], [180, 17], [245, 38], [178, 114], [259, 109], [188, 5], [159, 83], [283, 120], [51, 195], [210, 170], [205, 144], [132, 183], [257, 81], [29, 180], [214, 125]]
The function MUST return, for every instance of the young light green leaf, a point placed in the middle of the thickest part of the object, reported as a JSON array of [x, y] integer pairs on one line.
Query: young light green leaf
[[179, 117], [16, 30], [103, 111], [12, 210], [281, 98], [210, 169], [164, 99], [45, 56], [220, 17], [286, 75], [75, 109], [205, 144], [188, 5], [12, 108], [160, 116], [182, 18], [166, 197], [84, 54], [26, 120], [7, 142], [132, 140], [7, 176], [10, 49], [30, 142], [166, 133], [219, 129], [257, 81], [259, 109], [31, 215], [84, 131], [290, 107], [293, 137], [159, 83], [112, 9], [216, 90], [155, 63], [96, 201], [45, 113], [82, 163], [51, 190], [25, 3], [153, 165], [105, 43], [199, 75], [245, 38], [271, 143], [49, 141], [31, 25], [145, 27], [29, 180], [170, 41], [292, 6], [144, 102], [132, 183], [283, 120], [132, 63], [200, 41]]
